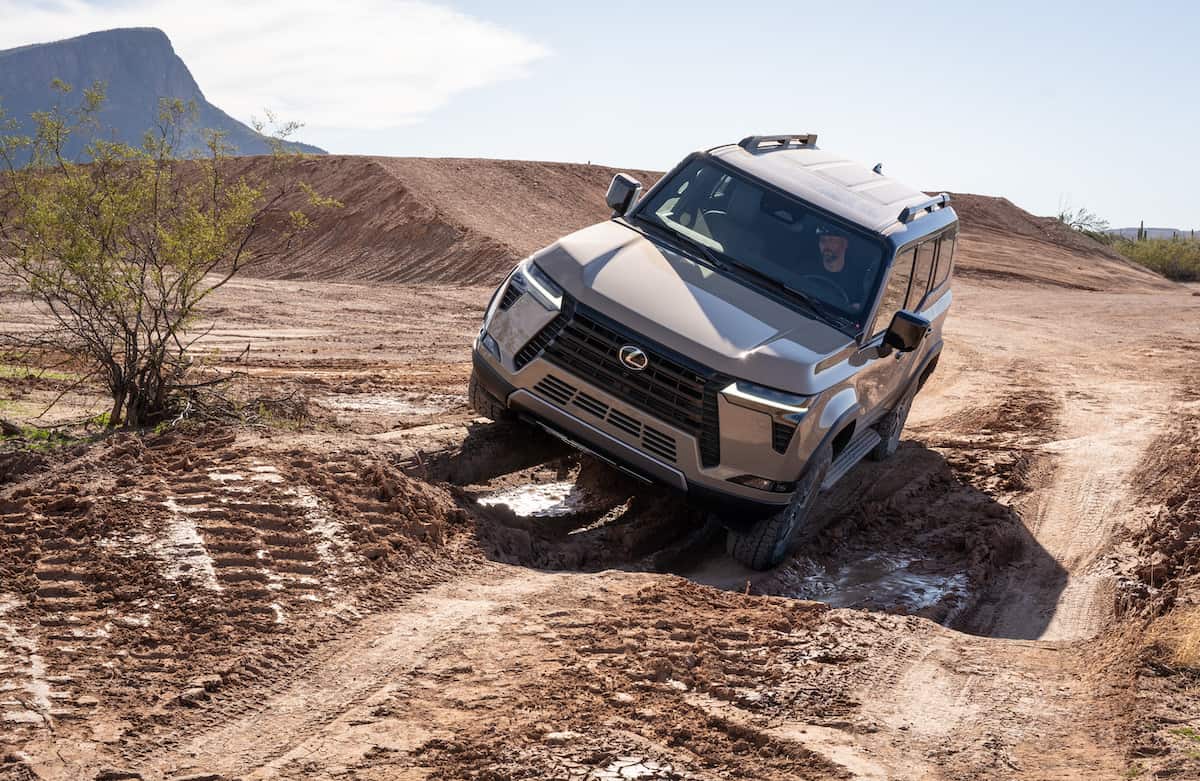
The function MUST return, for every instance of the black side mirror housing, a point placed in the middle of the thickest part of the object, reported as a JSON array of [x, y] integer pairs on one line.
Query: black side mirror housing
[[622, 192], [906, 332]]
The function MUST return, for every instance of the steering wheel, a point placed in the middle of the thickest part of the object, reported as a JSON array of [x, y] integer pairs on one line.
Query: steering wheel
[[826, 285]]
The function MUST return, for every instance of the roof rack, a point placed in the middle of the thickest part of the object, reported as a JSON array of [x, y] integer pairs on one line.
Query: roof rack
[[910, 213], [753, 144]]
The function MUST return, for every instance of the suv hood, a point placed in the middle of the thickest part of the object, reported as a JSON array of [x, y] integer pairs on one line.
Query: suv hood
[[692, 309]]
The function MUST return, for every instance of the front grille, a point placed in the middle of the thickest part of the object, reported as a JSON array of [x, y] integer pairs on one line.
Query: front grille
[[566, 395], [555, 389], [658, 443], [781, 436], [671, 387]]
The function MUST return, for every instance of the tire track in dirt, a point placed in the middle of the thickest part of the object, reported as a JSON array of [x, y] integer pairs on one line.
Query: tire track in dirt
[[992, 707], [314, 711], [1082, 498], [199, 573]]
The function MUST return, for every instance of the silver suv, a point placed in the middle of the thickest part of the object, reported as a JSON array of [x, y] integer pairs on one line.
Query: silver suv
[[745, 332]]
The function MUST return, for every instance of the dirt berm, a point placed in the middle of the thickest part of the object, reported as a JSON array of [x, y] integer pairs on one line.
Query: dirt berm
[[464, 221]]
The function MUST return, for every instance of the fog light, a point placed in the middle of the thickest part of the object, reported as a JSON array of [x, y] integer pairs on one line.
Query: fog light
[[490, 345], [764, 484]]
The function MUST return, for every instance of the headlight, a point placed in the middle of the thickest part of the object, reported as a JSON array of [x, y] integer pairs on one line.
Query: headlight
[[542, 283], [779, 404]]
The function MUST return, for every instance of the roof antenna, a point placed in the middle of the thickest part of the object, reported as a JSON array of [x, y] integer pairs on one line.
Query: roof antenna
[[878, 168]]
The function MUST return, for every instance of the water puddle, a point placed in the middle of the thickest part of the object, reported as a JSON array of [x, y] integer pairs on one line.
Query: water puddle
[[880, 581], [395, 404], [537, 500]]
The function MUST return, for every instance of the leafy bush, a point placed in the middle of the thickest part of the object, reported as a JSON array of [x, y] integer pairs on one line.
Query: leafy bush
[[123, 249], [1177, 259]]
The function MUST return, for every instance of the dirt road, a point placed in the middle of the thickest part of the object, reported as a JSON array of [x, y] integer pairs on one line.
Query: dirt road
[[360, 631], [373, 584]]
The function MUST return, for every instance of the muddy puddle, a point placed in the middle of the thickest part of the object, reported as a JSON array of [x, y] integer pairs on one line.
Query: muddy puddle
[[881, 581], [896, 582], [538, 500]]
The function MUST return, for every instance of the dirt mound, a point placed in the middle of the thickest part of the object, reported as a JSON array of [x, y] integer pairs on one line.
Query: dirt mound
[[1002, 240], [1167, 568], [467, 221], [426, 220]]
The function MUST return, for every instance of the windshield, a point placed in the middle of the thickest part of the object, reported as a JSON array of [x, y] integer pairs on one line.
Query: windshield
[[771, 236]]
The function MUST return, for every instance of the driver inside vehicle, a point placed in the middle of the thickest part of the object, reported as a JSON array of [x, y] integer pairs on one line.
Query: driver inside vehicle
[[832, 245]]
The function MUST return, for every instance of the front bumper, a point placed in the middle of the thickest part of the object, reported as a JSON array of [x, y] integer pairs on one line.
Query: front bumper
[[593, 420]]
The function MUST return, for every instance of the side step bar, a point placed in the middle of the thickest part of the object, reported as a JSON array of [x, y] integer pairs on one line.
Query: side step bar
[[854, 452]]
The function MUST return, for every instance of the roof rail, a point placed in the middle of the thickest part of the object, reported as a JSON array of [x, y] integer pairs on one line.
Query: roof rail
[[753, 144], [910, 213]]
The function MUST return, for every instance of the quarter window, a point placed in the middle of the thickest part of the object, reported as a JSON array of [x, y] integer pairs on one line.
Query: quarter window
[[945, 258], [896, 291], [922, 273]]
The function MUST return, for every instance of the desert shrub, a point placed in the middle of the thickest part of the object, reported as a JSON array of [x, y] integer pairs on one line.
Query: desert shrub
[[1177, 259], [122, 249]]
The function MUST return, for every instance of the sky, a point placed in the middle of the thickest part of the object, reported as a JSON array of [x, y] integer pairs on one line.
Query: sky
[[1050, 104]]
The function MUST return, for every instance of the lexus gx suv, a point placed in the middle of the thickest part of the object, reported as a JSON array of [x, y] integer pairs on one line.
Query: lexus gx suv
[[745, 332]]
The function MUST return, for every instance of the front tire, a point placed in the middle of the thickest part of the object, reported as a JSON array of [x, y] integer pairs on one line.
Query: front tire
[[485, 404], [765, 544], [892, 426]]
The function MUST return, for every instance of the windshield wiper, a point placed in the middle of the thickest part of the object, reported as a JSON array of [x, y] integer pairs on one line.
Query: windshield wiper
[[724, 262], [705, 252]]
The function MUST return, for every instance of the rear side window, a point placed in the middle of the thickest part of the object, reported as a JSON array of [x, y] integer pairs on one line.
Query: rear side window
[[896, 291], [922, 273], [945, 258]]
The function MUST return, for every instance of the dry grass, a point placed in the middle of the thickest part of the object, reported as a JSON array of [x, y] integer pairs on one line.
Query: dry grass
[[1179, 632]]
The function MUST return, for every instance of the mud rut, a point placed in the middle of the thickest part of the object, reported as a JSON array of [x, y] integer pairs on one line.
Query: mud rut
[[995, 522]]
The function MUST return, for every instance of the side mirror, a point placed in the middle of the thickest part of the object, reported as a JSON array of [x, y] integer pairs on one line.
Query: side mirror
[[622, 193], [906, 332]]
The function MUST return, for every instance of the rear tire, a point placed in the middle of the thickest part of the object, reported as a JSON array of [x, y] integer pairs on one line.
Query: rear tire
[[765, 544], [892, 426], [487, 405]]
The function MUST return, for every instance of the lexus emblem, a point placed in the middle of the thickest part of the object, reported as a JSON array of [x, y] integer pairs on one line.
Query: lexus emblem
[[633, 358]]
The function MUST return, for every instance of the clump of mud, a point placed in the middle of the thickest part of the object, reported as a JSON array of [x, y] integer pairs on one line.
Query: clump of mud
[[576, 513], [1167, 566]]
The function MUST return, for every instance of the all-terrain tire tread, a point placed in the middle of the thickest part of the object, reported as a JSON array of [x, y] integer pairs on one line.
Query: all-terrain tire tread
[[486, 404], [766, 543], [892, 426], [755, 547]]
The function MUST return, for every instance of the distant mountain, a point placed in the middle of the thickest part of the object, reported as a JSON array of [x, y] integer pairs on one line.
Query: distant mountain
[[1154, 233], [137, 65]]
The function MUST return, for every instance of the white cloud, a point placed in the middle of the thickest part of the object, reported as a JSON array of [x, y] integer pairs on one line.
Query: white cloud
[[367, 64]]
